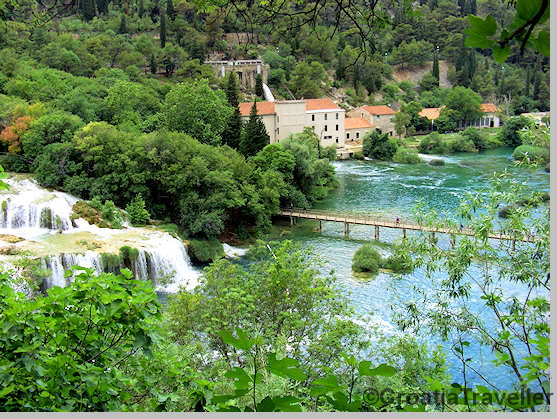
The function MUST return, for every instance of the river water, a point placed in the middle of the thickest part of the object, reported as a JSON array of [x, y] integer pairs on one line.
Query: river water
[[393, 190]]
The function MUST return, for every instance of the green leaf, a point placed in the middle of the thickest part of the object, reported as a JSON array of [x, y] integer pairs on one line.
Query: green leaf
[[285, 367], [527, 9], [242, 379], [226, 397], [477, 41], [383, 370], [324, 385], [266, 405], [542, 43], [480, 27], [127, 273], [241, 343], [287, 404], [501, 54]]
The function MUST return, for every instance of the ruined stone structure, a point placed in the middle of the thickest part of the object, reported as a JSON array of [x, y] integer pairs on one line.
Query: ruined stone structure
[[246, 70]]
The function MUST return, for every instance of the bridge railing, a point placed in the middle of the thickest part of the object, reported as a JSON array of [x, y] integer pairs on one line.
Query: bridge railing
[[348, 215]]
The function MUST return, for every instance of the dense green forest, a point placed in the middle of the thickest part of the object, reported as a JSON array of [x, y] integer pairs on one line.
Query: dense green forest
[[111, 101]]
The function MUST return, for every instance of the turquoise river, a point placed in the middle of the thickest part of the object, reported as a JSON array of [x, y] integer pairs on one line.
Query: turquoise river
[[393, 190]]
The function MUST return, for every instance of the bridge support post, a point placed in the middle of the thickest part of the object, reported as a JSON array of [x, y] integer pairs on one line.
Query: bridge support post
[[346, 229], [514, 245], [432, 238], [376, 235], [320, 226], [403, 233], [453, 240]]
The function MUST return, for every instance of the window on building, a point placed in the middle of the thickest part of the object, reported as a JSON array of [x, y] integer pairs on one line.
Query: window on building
[[337, 140], [357, 135], [337, 115], [378, 116], [313, 127], [277, 130], [325, 127], [347, 135], [337, 128], [313, 117], [325, 117], [277, 118]]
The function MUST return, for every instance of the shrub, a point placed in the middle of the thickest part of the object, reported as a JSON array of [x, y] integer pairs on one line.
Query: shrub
[[366, 259], [206, 250], [461, 144], [406, 155], [112, 214], [136, 211], [531, 154], [437, 162], [476, 136], [509, 133], [433, 144], [379, 146], [358, 156], [506, 211], [399, 262]]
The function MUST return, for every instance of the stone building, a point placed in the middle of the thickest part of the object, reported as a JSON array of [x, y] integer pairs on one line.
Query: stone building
[[356, 128], [246, 70], [283, 118], [489, 119], [381, 116]]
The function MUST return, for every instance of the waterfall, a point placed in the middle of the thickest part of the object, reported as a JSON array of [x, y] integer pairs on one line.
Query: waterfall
[[268, 94], [32, 210]]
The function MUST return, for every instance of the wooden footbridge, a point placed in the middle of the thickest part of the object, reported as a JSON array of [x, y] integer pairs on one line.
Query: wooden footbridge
[[398, 223]]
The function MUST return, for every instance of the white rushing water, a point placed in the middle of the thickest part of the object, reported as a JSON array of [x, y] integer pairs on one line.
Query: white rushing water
[[36, 214]]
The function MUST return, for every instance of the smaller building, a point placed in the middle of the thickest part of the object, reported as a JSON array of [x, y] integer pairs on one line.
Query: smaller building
[[489, 119], [380, 116], [540, 117], [356, 128]]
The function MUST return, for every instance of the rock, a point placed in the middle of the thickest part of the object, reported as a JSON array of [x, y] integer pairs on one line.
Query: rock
[[10, 239]]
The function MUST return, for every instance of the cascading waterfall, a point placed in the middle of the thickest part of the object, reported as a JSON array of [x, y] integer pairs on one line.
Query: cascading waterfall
[[32, 212]]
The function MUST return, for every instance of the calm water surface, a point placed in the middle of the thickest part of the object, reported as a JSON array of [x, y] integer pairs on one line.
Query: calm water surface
[[393, 190]]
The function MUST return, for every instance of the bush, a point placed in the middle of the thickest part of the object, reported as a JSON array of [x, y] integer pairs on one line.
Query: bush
[[358, 156], [476, 136], [136, 211], [399, 262], [433, 144], [406, 155], [366, 259], [206, 250], [531, 154], [509, 132], [379, 146], [112, 214], [506, 211], [461, 144], [437, 162]]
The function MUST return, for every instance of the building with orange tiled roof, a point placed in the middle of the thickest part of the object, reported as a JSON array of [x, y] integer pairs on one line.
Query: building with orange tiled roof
[[286, 117], [356, 128], [489, 119], [381, 116]]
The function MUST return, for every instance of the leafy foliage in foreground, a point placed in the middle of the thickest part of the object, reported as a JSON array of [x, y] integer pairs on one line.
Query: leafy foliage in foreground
[[62, 351]]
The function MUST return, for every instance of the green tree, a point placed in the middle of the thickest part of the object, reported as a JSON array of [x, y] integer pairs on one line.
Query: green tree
[[123, 28], [170, 12], [255, 135], [509, 133], [153, 64], [435, 67], [88, 9], [141, 8], [137, 212], [465, 102], [163, 30], [259, 86], [379, 146], [197, 110]]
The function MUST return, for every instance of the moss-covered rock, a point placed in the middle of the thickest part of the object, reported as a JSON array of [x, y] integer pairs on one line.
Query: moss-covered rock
[[437, 162]]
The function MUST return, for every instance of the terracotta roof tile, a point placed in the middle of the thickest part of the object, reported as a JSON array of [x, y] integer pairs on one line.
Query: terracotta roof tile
[[430, 113], [379, 110], [321, 104], [352, 123], [489, 108], [263, 108]]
